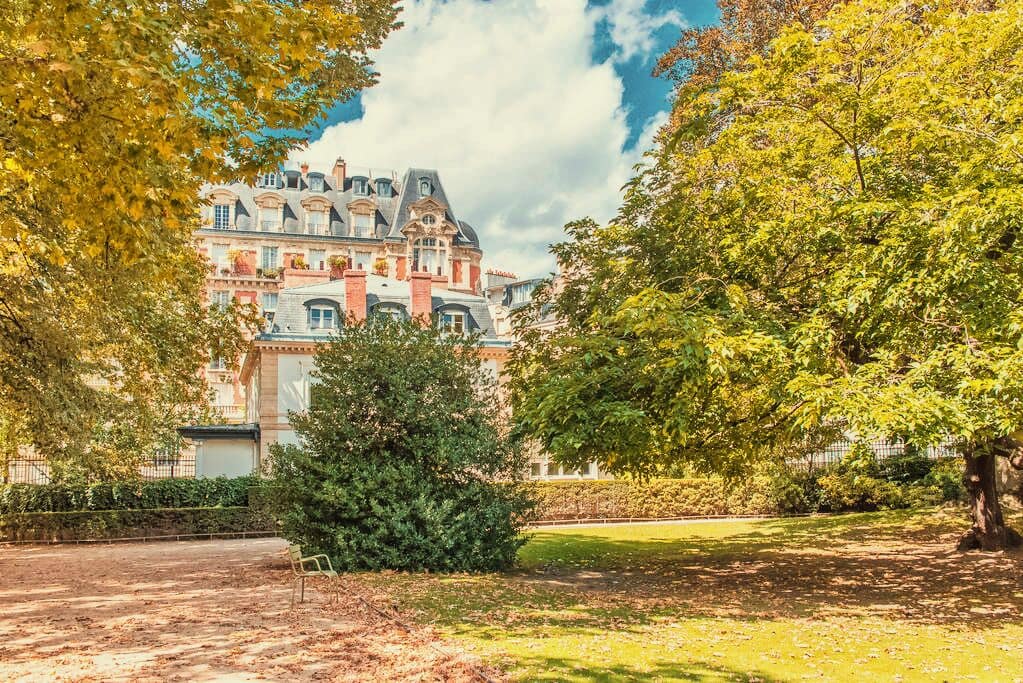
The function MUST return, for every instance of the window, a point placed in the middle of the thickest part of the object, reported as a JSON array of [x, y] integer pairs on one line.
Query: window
[[317, 259], [393, 311], [315, 183], [520, 293], [293, 180], [269, 301], [222, 216], [220, 298], [429, 255], [452, 322], [425, 187], [362, 260], [363, 225], [553, 470], [360, 186], [384, 188], [535, 469], [218, 364], [316, 222], [268, 180], [321, 318], [218, 255], [270, 219], [269, 258], [586, 470], [429, 219]]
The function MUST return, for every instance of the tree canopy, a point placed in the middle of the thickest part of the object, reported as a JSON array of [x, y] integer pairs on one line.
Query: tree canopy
[[112, 115], [841, 255], [401, 449]]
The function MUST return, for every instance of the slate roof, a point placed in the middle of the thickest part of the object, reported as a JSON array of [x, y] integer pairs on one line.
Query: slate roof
[[291, 318], [392, 212]]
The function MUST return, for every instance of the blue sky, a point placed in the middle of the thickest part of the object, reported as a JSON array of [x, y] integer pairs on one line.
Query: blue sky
[[533, 111]]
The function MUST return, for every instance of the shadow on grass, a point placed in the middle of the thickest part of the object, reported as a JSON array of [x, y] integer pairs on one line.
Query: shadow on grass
[[575, 669]]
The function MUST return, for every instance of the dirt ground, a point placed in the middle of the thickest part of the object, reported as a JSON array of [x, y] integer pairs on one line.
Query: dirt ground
[[197, 611]]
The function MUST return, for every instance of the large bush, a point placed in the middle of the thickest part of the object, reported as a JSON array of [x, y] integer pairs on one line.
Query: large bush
[[126, 495], [400, 448]]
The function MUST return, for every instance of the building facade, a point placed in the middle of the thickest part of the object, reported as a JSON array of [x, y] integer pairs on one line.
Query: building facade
[[293, 227]]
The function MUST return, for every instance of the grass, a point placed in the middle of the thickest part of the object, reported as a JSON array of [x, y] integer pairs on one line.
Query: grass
[[846, 598]]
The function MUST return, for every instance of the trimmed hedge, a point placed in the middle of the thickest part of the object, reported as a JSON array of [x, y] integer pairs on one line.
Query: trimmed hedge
[[657, 498], [126, 495], [110, 524]]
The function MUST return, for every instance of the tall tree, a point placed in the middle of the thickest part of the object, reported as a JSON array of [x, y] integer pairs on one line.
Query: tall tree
[[112, 115], [842, 255]]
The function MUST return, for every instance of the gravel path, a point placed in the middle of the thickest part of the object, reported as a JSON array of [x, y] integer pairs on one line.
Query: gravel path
[[197, 611]]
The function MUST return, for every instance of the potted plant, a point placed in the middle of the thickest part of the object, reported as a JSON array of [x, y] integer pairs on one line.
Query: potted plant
[[299, 263], [338, 264], [380, 267]]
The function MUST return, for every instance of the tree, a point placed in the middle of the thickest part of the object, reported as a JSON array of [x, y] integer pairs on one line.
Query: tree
[[841, 256], [112, 115], [401, 449]]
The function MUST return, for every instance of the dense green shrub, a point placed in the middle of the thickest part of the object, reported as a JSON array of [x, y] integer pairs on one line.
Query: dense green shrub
[[126, 495], [401, 446], [109, 524]]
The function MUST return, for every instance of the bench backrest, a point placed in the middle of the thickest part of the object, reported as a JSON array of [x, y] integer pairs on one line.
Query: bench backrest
[[295, 555]]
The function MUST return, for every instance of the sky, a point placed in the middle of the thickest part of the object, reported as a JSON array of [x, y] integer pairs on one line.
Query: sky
[[533, 111]]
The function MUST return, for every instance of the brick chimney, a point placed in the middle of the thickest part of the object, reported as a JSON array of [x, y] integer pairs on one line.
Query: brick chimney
[[305, 168], [355, 293], [421, 291], [339, 174]]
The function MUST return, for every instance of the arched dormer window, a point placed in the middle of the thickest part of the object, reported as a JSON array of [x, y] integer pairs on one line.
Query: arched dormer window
[[360, 186], [430, 255], [268, 180], [390, 309], [322, 315], [429, 219], [425, 187], [316, 183], [454, 319], [224, 202]]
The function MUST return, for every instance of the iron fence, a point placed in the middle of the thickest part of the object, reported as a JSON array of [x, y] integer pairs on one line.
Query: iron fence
[[37, 470], [882, 449]]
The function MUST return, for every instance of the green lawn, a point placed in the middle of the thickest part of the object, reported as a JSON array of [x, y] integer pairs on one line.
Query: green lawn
[[872, 596]]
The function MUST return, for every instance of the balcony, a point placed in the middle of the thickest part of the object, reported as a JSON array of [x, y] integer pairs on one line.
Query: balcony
[[234, 413]]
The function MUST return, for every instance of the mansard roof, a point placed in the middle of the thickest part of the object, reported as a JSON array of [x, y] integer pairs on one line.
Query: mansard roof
[[392, 212], [291, 318]]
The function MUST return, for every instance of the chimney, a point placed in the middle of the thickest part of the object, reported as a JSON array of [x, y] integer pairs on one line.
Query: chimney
[[305, 168], [339, 174], [421, 293], [355, 293]]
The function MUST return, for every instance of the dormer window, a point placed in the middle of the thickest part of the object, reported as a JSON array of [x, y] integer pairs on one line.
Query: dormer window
[[425, 187], [316, 222], [452, 322], [315, 182], [294, 178], [322, 318], [362, 225], [360, 186], [222, 216], [268, 180], [390, 310], [429, 255], [429, 219], [383, 188]]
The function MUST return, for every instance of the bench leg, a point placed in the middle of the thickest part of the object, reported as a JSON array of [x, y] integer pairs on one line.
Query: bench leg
[[294, 585], [302, 599]]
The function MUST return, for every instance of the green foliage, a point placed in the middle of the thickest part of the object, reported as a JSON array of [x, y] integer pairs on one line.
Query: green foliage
[[110, 524], [112, 116], [843, 254], [126, 495], [401, 445]]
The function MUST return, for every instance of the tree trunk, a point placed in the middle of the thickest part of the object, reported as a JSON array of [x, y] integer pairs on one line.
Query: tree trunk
[[989, 531]]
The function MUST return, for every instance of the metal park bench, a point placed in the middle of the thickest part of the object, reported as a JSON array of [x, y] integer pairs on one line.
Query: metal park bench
[[298, 569]]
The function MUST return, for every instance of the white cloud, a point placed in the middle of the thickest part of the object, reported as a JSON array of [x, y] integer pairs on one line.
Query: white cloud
[[504, 99], [632, 29]]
